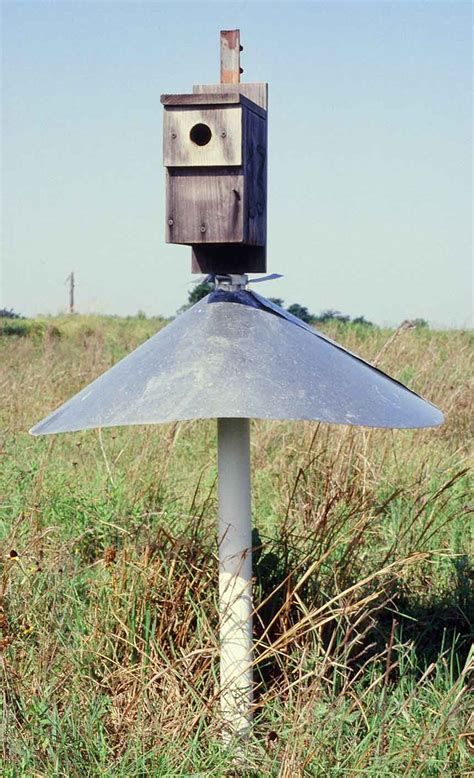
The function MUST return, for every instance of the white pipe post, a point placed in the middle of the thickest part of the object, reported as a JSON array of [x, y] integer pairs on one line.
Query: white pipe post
[[235, 576]]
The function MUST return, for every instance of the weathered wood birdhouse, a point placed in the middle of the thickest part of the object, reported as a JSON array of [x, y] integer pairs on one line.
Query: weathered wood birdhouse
[[215, 154]]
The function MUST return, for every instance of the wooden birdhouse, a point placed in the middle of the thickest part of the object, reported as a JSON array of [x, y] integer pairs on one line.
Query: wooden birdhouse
[[215, 154]]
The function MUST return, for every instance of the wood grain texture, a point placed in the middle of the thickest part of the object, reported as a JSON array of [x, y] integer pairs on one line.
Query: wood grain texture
[[224, 148], [255, 175], [212, 99], [258, 93], [202, 99], [204, 206], [217, 192]]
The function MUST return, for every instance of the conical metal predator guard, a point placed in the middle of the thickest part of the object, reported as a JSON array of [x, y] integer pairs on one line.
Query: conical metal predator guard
[[237, 355]]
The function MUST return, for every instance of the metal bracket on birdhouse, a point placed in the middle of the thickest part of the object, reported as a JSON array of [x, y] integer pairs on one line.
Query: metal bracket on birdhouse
[[215, 154]]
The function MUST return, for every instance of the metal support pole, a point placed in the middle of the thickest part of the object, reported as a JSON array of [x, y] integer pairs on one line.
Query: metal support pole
[[235, 575]]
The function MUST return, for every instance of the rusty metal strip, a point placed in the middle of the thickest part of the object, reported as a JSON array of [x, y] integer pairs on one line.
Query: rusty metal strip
[[230, 56]]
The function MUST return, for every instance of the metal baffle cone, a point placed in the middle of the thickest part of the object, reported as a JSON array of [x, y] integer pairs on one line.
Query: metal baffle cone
[[235, 354]]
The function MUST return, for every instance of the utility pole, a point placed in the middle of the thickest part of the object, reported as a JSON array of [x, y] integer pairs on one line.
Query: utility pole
[[70, 278]]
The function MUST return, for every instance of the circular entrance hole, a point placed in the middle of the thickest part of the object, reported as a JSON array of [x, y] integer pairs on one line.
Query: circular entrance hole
[[200, 134]]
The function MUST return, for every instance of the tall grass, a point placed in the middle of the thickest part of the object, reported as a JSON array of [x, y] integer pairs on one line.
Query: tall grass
[[362, 578]]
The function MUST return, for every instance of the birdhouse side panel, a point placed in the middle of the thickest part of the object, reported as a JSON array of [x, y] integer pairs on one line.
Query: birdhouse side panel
[[202, 137], [204, 206], [255, 172]]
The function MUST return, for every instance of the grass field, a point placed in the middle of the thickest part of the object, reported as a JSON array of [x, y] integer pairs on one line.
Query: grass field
[[363, 579]]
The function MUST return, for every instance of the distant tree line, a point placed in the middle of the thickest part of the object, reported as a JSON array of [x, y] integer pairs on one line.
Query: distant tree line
[[300, 311], [9, 313]]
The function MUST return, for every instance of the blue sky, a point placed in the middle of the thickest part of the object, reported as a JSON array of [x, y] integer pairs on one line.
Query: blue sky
[[369, 152]]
